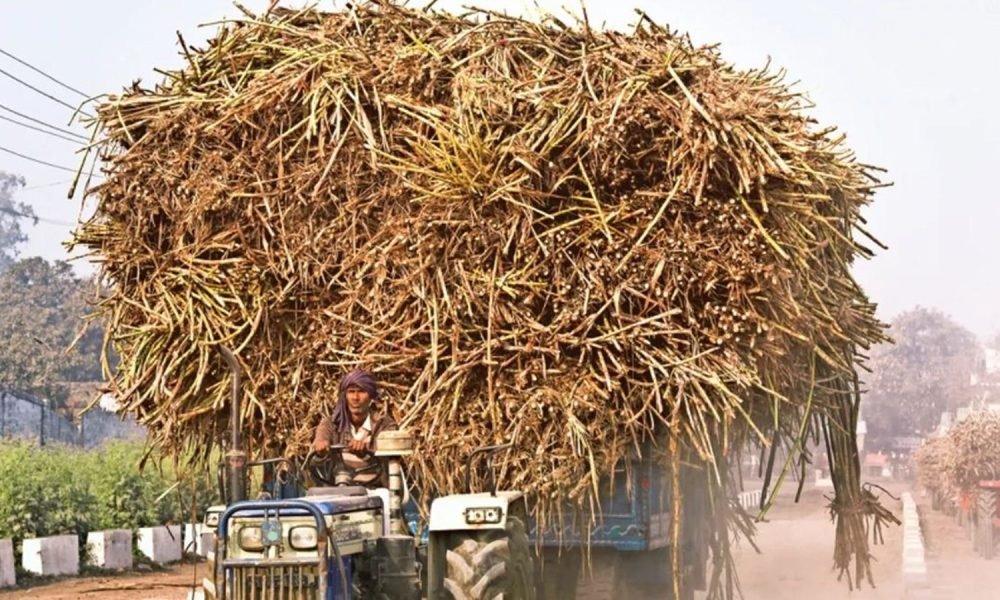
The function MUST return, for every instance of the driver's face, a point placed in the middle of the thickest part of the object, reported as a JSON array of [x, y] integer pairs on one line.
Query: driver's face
[[358, 402]]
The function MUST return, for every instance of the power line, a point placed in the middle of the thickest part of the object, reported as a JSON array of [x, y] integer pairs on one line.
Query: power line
[[39, 129], [43, 73], [40, 122], [46, 94], [37, 160], [35, 218], [46, 185]]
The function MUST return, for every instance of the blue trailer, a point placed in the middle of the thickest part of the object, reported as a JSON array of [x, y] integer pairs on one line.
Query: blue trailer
[[627, 552]]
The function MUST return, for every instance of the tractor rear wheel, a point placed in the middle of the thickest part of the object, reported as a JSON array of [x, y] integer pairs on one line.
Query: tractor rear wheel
[[490, 565]]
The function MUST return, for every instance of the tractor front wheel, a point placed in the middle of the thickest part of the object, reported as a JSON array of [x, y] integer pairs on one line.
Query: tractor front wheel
[[490, 565]]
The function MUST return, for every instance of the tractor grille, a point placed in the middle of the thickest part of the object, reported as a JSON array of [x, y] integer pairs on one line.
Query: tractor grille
[[286, 580]]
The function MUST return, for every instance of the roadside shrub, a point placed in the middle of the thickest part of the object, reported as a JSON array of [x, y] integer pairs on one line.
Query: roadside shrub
[[59, 490]]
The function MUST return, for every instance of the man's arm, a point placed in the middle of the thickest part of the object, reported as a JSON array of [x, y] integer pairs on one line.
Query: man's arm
[[324, 435]]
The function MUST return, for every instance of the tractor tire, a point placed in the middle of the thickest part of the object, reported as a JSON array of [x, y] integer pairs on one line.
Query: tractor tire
[[363, 589], [490, 565]]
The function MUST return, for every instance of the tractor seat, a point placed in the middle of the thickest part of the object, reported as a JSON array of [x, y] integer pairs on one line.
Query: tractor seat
[[340, 490]]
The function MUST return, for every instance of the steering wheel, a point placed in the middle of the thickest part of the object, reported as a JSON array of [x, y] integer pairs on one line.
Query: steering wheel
[[322, 466]]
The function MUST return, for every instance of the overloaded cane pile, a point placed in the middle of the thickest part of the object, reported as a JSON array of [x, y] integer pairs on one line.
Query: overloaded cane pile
[[582, 241], [960, 459], [931, 458]]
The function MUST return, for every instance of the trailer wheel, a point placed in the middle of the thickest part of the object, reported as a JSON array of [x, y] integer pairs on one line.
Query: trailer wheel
[[597, 578], [626, 575], [557, 574], [490, 565]]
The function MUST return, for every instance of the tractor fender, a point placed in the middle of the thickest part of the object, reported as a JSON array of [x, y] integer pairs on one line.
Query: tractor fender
[[452, 513]]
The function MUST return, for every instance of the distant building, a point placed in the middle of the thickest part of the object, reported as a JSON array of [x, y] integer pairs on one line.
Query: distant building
[[991, 361], [877, 464], [986, 383]]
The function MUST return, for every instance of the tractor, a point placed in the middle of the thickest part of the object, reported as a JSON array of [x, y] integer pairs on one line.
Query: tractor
[[343, 542]]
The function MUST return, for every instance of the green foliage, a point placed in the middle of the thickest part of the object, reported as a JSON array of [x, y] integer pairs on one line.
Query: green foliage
[[41, 493], [42, 306], [126, 498], [62, 490]]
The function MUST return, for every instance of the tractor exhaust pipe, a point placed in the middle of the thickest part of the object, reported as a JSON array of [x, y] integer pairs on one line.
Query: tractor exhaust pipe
[[236, 458]]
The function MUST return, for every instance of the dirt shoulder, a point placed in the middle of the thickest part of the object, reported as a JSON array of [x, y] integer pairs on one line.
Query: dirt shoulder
[[954, 570], [169, 584]]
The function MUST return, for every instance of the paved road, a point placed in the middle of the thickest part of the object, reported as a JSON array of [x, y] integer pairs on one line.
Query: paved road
[[796, 559]]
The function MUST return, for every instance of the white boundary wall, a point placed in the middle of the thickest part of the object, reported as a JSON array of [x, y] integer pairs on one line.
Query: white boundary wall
[[750, 501], [914, 563]]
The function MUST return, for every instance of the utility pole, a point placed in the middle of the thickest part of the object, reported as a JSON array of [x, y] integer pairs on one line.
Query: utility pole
[[41, 428]]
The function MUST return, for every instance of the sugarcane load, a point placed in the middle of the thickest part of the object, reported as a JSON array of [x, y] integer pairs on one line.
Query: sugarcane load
[[590, 243]]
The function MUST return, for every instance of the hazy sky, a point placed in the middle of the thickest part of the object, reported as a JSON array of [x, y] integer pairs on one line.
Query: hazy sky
[[913, 83]]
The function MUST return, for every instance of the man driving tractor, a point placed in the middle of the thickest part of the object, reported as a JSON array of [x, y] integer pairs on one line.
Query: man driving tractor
[[352, 426]]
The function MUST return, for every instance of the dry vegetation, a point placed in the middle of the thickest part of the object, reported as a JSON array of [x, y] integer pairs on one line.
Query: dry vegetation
[[584, 241], [967, 454]]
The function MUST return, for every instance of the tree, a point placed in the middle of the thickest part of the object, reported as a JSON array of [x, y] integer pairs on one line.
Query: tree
[[42, 305], [11, 214], [928, 370]]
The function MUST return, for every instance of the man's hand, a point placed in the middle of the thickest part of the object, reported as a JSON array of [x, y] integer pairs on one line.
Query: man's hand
[[358, 446], [321, 445]]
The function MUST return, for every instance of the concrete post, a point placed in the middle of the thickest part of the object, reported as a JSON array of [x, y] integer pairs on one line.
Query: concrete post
[[111, 549], [197, 540], [8, 576], [160, 544], [56, 555]]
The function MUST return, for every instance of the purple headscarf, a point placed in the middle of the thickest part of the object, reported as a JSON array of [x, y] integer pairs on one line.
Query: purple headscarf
[[341, 417]]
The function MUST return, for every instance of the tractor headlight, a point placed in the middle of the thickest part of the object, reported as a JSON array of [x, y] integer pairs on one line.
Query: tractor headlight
[[483, 516], [251, 539], [212, 519], [302, 537]]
